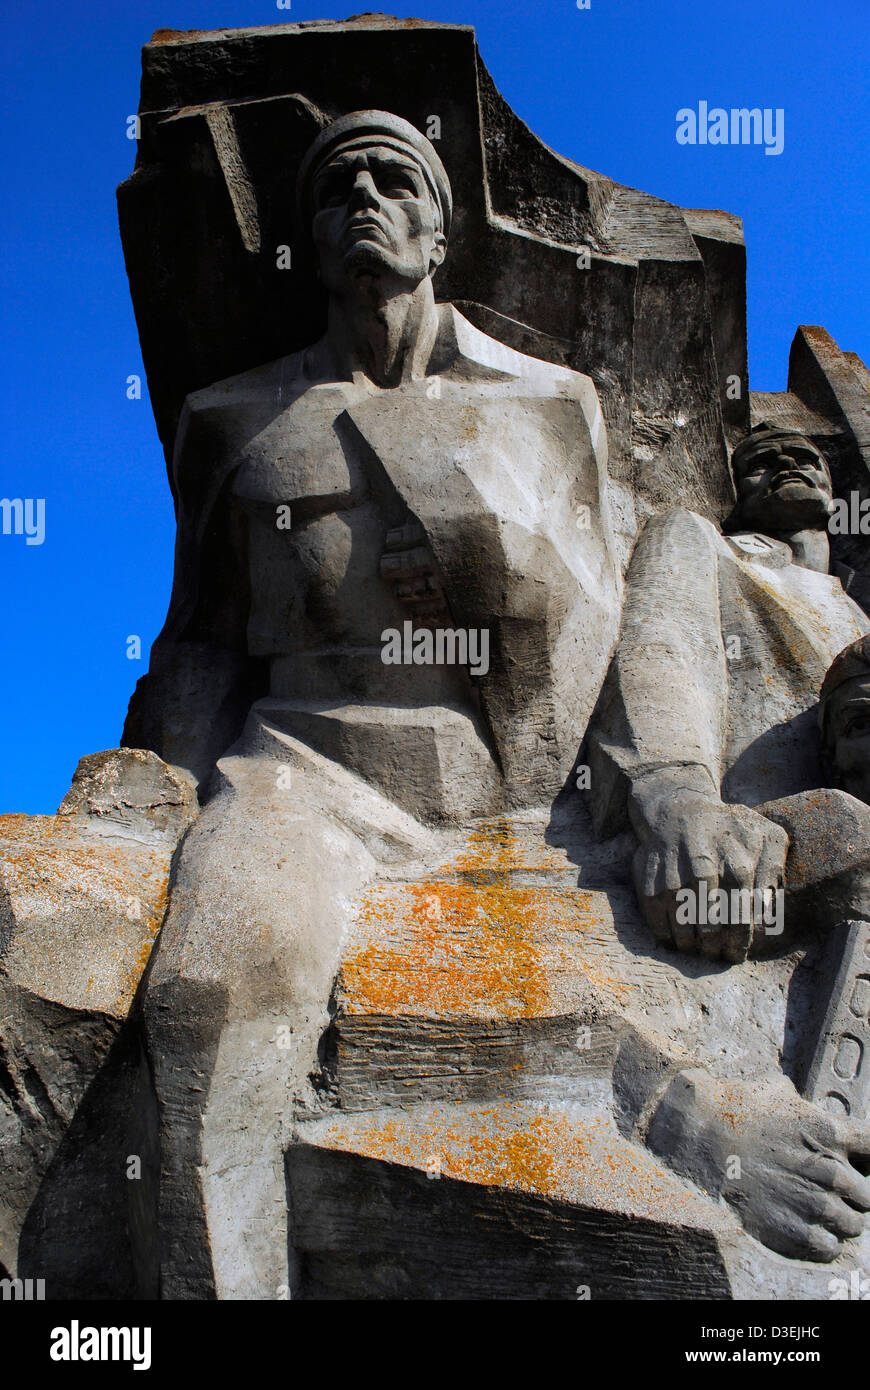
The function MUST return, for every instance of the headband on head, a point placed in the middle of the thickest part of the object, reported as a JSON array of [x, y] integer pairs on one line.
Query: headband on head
[[360, 128], [853, 661], [763, 436]]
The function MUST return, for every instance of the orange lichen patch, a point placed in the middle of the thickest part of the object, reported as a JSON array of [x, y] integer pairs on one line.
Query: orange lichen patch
[[495, 851], [470, 425], [40, 851], [478, 943], [445, 948], [550, 1152], [86, 912], [454, 948], [736, 1108], [130, 977]]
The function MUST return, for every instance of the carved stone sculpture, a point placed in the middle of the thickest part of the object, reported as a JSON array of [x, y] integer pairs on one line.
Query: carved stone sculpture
[[827, 881], [709, 708], [403, 418], [405, 1032]]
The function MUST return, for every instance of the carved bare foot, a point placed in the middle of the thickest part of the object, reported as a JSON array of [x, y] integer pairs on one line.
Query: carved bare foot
[[787, 1167]]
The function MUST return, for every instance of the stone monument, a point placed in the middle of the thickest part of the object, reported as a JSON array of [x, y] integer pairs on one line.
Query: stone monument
[[336, 980]]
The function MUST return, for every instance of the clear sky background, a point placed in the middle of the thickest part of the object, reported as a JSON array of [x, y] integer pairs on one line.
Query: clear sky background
[[601, 86]]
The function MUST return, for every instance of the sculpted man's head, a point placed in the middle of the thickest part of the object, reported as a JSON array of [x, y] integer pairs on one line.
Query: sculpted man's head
[[782, 481], [844, 716], [377, 199]]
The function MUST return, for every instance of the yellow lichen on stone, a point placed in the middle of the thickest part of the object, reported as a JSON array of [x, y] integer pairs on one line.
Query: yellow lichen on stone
[[482, 940]]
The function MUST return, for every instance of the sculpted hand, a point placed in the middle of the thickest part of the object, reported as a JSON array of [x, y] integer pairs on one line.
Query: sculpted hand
[[689, 838], [789, 1169], [410, 566]]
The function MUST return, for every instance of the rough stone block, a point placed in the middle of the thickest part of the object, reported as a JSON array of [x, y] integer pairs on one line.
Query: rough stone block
[[82, 898]]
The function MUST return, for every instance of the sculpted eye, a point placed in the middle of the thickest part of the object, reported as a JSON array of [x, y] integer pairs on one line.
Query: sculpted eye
[[398, 185], [857, 726], [331, 191]]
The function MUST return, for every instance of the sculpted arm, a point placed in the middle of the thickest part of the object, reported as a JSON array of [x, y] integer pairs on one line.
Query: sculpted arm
[[657, 744], [192, 704], [665, 701], [791, 1171]]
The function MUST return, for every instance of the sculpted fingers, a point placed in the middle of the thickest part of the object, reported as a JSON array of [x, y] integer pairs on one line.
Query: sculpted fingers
[[409, 565], [838, 1176], [710, 933], [693, 880], [647, 880], [682, 924], [813, 1243], [828, 1191], [659, 919], [645, 870], [671, 864], [786, 1231], [845, 1220], [738, 861], [856, 1142], [771, 861], [738, 876], [768, 920], [406, 563], [405, 537], [835, 1215]]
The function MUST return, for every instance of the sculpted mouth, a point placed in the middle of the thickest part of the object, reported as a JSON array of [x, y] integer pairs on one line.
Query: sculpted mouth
[[783, 479], [365, 224]]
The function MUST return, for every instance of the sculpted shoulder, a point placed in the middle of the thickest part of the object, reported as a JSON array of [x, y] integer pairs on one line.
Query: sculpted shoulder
[[270, 385], [222, 417], [535, 377], [218, 421], [545, 378], [678, 531]]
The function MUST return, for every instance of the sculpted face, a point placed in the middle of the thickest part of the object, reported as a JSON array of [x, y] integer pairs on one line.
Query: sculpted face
[[374, 213], [848, 718], [782, 485]]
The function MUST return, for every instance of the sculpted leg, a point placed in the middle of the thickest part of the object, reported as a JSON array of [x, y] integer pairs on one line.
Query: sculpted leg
[[236, 1002]]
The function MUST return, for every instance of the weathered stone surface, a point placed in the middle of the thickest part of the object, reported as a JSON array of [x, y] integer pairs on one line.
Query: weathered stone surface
[[394, 945], [829, 847], [405, 420], [504, 469], [827, 877], [129, 794], [828, 400], [839, 1077], [494, 1025], [497, 1224], [82, 897], [658, 322], [745, 632], [501, 1201]]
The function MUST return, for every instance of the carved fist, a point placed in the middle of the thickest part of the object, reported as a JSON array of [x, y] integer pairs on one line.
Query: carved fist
[[691, 840], [789, 1169], [408, 563]]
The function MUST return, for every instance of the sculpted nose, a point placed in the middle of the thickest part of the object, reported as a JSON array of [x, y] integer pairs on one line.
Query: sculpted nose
[[364, 192], [796, 465]]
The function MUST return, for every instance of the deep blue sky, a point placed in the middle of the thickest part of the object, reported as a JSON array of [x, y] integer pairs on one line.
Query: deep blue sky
[[601, 86]]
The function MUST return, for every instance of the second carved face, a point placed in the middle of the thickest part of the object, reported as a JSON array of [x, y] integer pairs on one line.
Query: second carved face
[[783, 484]]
